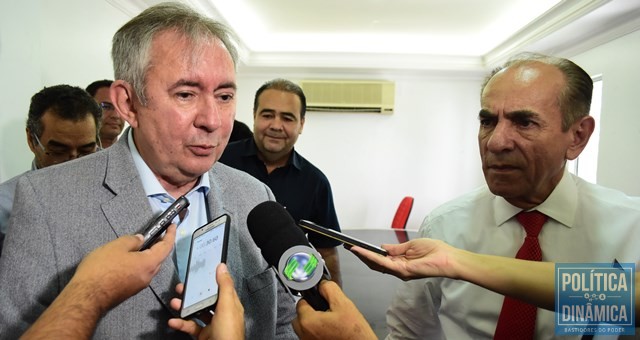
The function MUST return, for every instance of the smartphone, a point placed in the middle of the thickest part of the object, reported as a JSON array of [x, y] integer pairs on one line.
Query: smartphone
[[307, 225], [160, 224], [208, 249]]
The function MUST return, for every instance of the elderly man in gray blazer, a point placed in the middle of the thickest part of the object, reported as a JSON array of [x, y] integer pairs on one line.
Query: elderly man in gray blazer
[[175, 86]]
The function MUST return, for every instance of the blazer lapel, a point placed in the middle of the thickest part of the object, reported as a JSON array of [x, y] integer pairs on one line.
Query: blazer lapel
[[129, 212], [217, 206]]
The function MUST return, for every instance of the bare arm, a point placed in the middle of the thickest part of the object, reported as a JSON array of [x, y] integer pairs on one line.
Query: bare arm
[[529, 281], [106, 277], [332, 260], [71, 315]]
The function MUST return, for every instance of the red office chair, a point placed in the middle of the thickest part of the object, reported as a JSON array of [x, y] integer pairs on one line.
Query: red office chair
[[402, 214], [400, 219]]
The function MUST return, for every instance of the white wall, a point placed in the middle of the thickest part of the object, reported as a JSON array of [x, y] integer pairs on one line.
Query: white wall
[[426, 149], [44, 43], [20, 75], [619, 64]]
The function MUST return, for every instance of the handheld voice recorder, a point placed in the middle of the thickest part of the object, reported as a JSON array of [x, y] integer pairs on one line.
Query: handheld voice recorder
[[160, 224]]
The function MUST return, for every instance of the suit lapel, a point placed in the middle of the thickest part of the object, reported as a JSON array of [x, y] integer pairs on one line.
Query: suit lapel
[[216, 198], [129, 212]]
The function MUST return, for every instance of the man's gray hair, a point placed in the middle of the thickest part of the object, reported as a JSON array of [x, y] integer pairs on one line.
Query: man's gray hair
[[574, 99], [132, 42]]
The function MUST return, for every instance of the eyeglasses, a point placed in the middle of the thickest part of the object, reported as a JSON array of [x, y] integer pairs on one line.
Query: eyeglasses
[[62, 153], [106, 106]]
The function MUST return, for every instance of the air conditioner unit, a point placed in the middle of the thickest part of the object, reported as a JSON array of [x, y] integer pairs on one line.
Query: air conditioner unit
[[369, 96]]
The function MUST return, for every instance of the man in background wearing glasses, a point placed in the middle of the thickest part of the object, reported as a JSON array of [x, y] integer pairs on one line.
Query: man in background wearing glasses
[[63, 124], [112, 124]]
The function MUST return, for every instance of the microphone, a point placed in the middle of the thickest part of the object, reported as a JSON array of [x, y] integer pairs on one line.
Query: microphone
[[285, 247]]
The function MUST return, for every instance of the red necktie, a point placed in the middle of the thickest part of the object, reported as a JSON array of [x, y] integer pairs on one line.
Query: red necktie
[[518, 319]]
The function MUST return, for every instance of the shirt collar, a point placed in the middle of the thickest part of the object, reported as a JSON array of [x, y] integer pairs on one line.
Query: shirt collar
[[295, 159], [561, 204], [252, 150], [150, 183]]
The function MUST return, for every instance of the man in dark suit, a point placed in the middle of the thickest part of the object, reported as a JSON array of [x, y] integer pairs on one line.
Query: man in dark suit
[[175, 86]]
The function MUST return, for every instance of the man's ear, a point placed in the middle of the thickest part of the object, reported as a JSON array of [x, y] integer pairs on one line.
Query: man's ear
[[301, 125], [580, 133], [30, 141], [125, 101]]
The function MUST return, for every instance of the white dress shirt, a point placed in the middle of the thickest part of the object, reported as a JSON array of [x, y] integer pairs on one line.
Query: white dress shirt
[[587, 223], [159, 199]]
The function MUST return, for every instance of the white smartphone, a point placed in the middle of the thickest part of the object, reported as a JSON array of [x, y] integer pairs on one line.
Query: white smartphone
[[208, 249]]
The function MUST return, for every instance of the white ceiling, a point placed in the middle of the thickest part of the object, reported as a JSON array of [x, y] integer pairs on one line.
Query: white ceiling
[[449, 35]]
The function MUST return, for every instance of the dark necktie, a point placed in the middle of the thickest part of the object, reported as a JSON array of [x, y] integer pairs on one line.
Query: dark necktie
[[518, 319]]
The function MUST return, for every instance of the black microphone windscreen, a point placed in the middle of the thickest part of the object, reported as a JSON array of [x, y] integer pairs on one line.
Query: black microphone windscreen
[[274, 231]]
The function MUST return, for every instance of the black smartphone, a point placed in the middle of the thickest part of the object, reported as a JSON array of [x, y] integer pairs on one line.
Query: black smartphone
[[308, 225], [208, 249], [160, 224]]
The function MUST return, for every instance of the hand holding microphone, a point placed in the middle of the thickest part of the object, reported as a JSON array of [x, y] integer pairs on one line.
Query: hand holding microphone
[[284, 246], [343, 321]]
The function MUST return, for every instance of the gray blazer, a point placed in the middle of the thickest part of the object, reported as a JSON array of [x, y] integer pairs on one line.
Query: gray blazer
[[63, 212]]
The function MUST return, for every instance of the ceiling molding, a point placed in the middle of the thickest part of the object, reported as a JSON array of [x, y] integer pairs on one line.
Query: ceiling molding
[[364, 60], [569, 28], [559, 16], [590, 31]]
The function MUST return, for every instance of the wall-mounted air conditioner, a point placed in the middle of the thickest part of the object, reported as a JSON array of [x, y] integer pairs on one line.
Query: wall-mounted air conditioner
[[369, 96]]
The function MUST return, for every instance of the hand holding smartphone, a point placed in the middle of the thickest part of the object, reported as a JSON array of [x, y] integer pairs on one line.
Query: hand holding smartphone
[[346, 239], [208, 249], [162, 222]]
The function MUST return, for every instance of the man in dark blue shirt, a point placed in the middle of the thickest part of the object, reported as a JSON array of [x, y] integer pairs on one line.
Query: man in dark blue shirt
[[278, 119]]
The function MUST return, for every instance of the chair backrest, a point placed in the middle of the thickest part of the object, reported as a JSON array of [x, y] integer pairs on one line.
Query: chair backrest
[[402, 214]]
